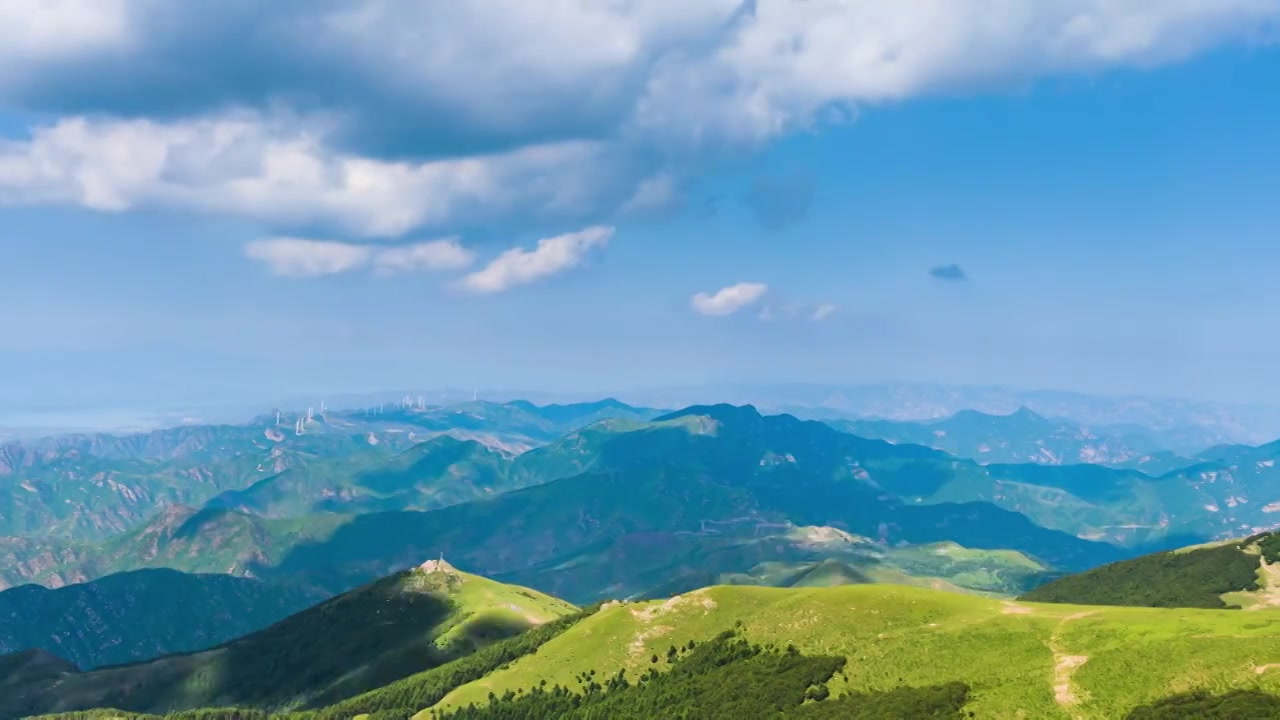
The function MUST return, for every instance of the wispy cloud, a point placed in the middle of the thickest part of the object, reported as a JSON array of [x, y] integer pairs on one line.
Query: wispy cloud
[[303, 257], [447, 254], [728, 300], [299, 257], [822, 312], [951, 272], [551, 256], [797, 311]]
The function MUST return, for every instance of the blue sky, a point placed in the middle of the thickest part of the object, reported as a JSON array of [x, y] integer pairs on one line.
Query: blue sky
[[724, 191]]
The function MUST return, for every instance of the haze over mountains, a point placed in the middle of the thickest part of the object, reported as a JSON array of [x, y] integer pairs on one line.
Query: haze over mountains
[[1184, 425]]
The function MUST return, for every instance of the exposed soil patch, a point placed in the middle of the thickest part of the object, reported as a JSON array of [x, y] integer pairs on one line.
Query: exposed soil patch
[[1065, 665], [1012, 608], [1063, 693], [637, 644], [1269, 595]]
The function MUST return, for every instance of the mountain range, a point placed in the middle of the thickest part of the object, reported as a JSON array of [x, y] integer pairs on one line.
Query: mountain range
[[1189, 424], [606, 503], [724, 487]]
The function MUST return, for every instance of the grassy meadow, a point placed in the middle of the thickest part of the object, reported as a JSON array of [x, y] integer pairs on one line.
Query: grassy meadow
[[1021, 660]]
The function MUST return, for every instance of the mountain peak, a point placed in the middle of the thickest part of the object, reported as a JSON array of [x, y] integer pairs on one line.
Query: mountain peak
[[438, 566], [722, 412], [1025, 413]]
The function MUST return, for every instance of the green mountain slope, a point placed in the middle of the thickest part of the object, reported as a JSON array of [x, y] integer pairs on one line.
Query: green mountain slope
[[178, 537], [355, 642], [1018, 659], [853, 651], [140, 615], [1235, 573]]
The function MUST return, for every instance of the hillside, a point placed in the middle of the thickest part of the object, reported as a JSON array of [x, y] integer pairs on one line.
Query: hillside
[[355, 642], [1228, 574], [1017, 659], [853, 651], [143, 614]]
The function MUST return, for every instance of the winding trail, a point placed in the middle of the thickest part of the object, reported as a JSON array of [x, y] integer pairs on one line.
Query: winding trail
[[1269, 595], [1064, 664]]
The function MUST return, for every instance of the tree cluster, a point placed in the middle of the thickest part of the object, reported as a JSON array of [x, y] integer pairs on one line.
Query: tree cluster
[[1196, 579]]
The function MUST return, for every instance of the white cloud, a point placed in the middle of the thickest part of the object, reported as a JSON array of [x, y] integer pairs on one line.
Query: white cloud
[[445, 254], [729, 300], [58, 30], [512, 128], [791, 61], [552, 256], [653, 193], [299, 257], [303, 257], [823, 311], [283, 173]]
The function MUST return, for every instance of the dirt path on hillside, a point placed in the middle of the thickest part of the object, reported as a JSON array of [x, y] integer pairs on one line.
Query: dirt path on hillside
[[1269, 595], [1008, 607], [1065, 664]]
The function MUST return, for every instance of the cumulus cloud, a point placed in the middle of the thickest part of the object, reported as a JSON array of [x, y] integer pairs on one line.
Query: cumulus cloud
[[285, 175], [551, 256], [303, 257], [728, 300], [406, 114], [951, 272], [478, 72], [58, 30], [300, 257]]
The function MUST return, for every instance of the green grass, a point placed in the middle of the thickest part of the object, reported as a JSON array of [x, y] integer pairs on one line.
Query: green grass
[[1008, 653], [1230, 574], [724, 677], [353, 643]]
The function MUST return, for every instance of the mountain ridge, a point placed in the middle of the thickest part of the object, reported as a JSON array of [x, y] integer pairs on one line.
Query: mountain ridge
[[354, 642]]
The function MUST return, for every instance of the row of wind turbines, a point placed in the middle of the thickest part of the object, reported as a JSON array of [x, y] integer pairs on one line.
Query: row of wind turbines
[[406, 403]]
